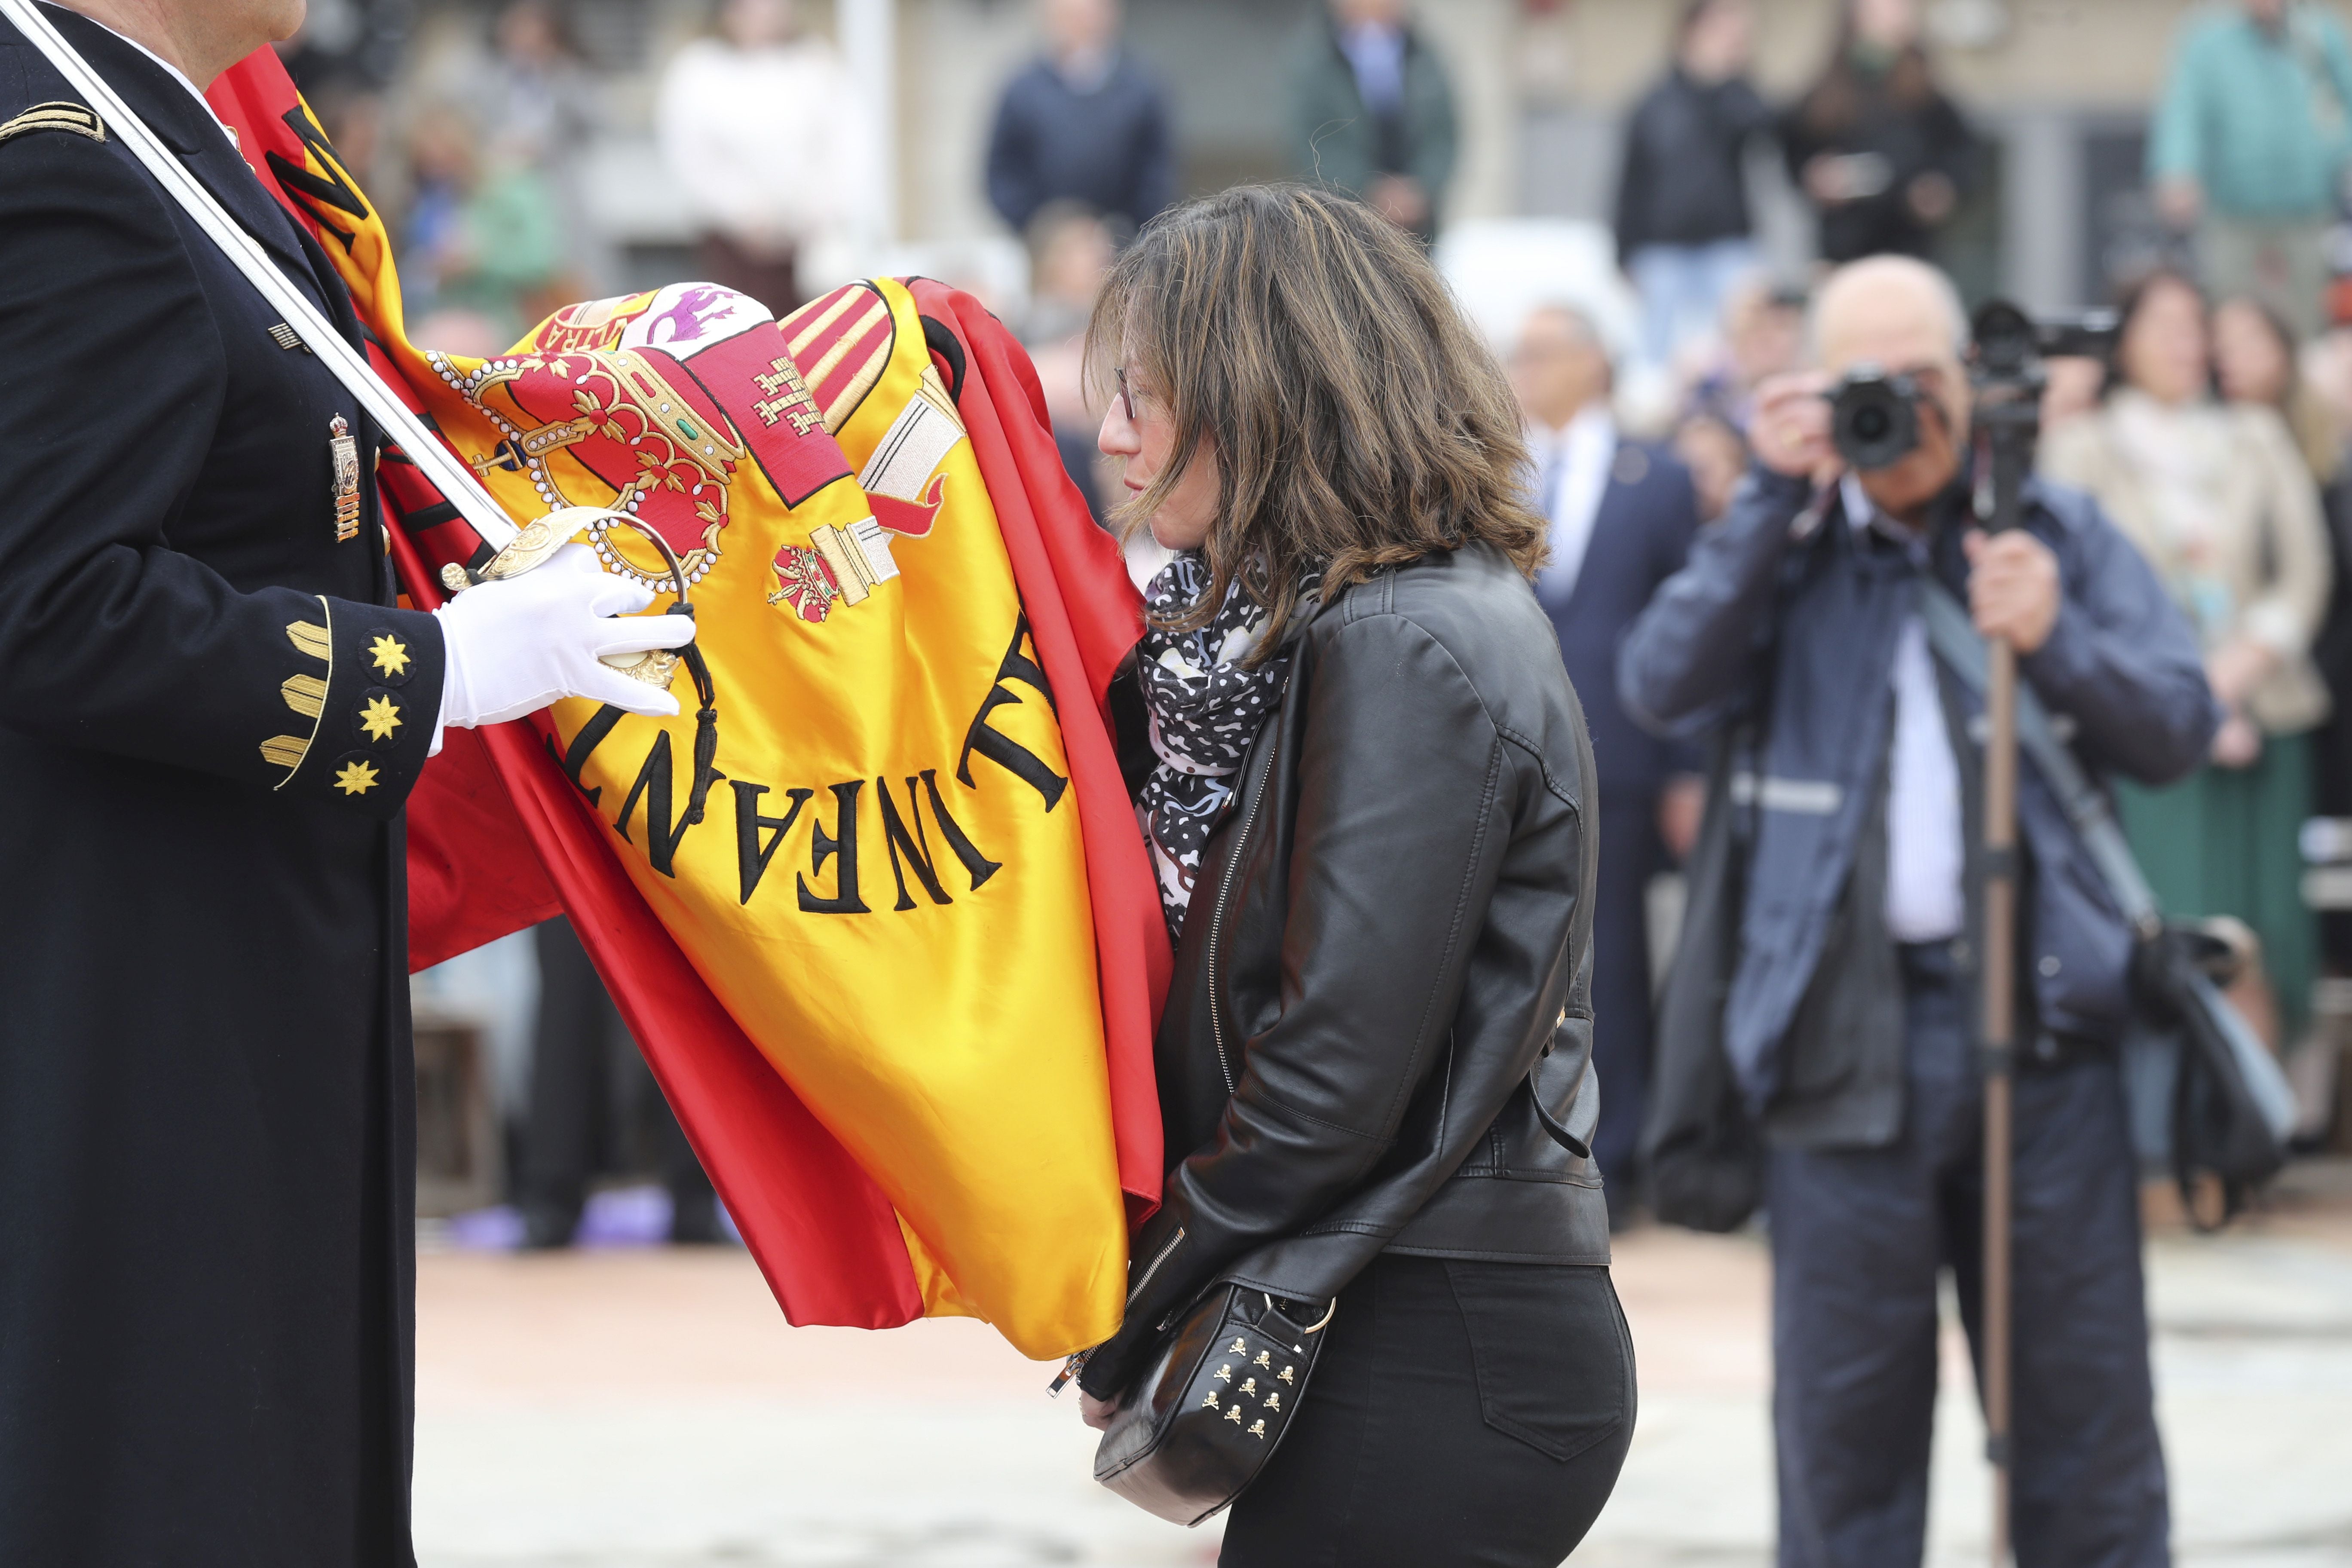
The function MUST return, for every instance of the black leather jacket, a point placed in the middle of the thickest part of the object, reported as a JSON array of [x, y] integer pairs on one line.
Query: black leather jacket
[[1379, 1036]]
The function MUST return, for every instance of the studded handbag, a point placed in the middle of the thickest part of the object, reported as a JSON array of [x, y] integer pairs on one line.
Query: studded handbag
[[1201, 1422]]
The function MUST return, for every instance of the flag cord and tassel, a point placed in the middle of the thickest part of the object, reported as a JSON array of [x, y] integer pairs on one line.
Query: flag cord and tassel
[[706, 716], [706, 732]]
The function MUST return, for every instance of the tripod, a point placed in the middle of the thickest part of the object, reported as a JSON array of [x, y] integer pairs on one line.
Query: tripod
[[2008, 421]]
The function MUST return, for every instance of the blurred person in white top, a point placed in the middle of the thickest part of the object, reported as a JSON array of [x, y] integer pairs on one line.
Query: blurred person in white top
[[765, 131]]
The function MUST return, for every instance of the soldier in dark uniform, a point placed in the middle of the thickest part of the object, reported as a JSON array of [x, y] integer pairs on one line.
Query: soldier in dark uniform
[[210, 713]]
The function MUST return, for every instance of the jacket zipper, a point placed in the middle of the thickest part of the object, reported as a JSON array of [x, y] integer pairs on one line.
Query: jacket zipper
[[1217, 923], [1153, 1268], [1077, 1363]]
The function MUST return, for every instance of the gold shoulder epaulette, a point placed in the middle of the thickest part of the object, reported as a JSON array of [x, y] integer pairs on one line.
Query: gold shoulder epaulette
[[73, 116]]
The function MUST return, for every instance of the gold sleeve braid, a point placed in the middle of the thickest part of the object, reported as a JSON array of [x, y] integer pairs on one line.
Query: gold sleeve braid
[[69, 117], [305, 693], [310, 639]]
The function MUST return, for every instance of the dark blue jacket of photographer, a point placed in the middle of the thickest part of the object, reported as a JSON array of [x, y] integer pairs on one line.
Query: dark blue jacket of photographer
[[1783, 627]]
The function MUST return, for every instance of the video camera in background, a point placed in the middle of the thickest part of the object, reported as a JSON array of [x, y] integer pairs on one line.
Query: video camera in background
[[1874, 413]]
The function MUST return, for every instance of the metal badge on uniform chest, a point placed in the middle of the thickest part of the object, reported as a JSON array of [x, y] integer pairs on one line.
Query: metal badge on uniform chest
[[344, 450]]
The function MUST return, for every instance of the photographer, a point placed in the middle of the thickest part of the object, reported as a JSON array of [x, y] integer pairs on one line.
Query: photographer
[[1850, 1021]]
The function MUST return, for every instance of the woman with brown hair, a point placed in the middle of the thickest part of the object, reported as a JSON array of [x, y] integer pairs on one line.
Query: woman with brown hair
[[1369, 809], [2218, 498], [2256, 363]]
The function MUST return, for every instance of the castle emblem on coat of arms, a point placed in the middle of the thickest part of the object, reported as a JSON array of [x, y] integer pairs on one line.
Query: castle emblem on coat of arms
[[844, 565], [660, 398]]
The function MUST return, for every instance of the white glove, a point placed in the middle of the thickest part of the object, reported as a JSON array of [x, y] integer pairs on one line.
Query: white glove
[[517, 645]]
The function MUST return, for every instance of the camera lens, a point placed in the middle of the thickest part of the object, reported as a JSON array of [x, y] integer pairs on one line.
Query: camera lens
[[1873, 417]]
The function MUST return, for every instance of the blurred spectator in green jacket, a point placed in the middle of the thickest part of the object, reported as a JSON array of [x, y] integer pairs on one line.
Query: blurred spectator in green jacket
[[1372, 112], [483, 242], [2249, 144]]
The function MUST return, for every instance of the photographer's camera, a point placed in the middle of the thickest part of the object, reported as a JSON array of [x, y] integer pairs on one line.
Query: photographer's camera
[[1874, 413], [1874, 417]]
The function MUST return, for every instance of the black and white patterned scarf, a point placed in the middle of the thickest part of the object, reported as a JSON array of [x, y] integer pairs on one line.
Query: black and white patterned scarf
[[1205, 711]]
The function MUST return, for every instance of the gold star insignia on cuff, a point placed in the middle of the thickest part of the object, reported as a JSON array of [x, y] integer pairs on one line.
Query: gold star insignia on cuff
[[390, 653], [357, 778], [380, 718]]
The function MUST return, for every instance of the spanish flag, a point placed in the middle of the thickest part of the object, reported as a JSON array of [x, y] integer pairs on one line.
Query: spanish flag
[[878, 913]]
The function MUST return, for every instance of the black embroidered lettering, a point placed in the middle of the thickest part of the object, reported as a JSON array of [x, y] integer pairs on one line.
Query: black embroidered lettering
[[1001, 748], [591, 736], [917, 846], [307, 190], [662, 838], [976, 865], [751, 856], [842, 842]]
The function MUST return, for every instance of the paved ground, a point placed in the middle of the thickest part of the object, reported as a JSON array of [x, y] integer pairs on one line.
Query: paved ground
[[652, 1410]]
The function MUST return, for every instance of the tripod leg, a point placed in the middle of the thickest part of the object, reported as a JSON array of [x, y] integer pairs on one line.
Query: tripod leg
[[2000, 1066]]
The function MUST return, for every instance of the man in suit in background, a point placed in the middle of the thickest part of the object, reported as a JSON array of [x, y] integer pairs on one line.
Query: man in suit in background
[[1085, 122], [1623, 514]]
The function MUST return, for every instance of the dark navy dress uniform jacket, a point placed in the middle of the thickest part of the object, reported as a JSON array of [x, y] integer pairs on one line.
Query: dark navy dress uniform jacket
[[211, 710]]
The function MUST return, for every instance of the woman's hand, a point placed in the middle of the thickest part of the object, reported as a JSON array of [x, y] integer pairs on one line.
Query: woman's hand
[[1828, 180], [2236, 667], [2238, 744], [1097, 1413], [2234, 670], [1682, 806], [1932, 197]]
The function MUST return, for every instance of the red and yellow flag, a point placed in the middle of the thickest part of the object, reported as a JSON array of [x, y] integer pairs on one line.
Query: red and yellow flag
[[880, 918]]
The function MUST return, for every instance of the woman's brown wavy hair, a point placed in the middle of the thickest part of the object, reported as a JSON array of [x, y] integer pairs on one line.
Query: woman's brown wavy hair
[[1306, 345]]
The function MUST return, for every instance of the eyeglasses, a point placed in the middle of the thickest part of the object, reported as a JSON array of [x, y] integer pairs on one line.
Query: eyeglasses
[[1126, 397]]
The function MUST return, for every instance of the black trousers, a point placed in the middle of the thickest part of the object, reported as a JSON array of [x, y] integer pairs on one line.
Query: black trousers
[[1858, 1239], [588, 1084], [1629, 855], [1462, 1414]]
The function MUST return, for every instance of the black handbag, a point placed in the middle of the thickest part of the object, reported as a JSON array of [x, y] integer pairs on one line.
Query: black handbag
[[2202, 1105], [2207, 1100], [1203, 1420]]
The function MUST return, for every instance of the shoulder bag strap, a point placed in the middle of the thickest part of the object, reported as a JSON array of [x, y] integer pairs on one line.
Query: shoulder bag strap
[[1953, 637]]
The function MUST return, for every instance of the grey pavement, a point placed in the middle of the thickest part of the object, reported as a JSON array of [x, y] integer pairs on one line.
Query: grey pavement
[[652, 1410]]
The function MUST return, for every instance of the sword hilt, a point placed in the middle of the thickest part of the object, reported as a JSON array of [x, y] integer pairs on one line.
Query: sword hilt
[[539, 541]]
